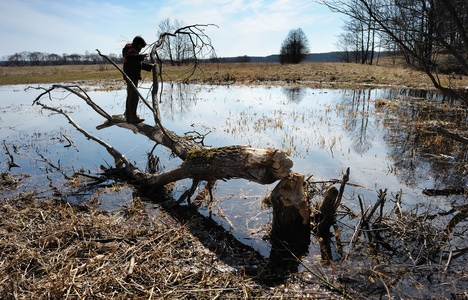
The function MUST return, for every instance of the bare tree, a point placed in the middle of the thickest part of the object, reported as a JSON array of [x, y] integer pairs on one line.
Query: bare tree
[[16, 59], [345, 45], [175, 49], [429, 33], [53, 59], [35, 58], [357, 42]]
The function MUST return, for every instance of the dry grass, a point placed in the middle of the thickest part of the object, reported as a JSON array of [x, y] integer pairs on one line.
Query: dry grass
[[322, 75], [56, 74], [54, 250]]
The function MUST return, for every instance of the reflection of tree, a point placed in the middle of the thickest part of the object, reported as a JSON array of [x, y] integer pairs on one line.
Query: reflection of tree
[[417, 151], [357, 118], [294, 94], [178, 100]]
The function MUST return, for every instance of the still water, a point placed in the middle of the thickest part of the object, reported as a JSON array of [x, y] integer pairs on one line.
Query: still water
[[325, 131]]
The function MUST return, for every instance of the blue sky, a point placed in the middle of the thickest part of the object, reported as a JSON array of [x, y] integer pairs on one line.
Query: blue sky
[[254, 28]]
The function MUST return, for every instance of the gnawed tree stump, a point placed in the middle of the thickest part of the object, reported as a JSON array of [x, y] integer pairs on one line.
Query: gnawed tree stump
[[291, 209], [324, 216], [290, 228]]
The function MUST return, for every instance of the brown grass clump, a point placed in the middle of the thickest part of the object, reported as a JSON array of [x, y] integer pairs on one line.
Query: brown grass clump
[[55, 250]]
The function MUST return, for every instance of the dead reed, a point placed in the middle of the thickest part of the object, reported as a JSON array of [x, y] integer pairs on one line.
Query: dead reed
[[54, 250], [319, 75]]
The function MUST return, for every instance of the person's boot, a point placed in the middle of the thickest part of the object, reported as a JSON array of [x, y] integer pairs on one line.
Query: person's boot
[[134, 119]]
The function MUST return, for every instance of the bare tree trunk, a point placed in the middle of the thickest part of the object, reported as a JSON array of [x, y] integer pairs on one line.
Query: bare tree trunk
[[263, 166]]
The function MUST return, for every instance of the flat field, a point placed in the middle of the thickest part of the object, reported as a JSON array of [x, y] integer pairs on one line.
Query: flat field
[[322, 75]]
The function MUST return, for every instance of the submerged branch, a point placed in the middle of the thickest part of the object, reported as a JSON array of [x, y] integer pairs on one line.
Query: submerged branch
[[11, 163], [452, 135]]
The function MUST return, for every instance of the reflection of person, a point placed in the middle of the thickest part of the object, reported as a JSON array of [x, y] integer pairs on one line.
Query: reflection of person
[[133, 63]]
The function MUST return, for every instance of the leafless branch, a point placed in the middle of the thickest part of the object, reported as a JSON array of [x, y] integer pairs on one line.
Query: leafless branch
[[11, 163], [119, 158]]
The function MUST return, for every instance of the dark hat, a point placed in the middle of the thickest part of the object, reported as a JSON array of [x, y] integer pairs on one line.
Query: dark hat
[[138, 40]]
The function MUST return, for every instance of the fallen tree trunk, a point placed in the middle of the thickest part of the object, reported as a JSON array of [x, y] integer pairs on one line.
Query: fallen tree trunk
[[449, 134], [445, 192], [263, 166]]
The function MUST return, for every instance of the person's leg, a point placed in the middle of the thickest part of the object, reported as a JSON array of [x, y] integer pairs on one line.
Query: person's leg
[[132, 103], [127, 101]]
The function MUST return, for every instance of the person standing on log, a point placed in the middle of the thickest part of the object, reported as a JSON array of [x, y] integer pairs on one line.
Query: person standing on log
[[133, 64]]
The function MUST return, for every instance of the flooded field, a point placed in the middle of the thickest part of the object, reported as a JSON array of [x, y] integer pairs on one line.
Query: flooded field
[[384, 136]]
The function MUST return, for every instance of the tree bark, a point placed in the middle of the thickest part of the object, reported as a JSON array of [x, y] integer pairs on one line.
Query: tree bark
[[323, 219], [291, 209], [263, 166]]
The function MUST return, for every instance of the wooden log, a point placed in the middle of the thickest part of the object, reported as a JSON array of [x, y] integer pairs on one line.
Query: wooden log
[[445, 192], [449, 134], [263, 166], [323, 219]]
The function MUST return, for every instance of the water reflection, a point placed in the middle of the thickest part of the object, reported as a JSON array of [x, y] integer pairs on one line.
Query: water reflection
[[179, 100], [417, 151], [356, 108], [403, 119], [388, 145], [294, 94], [395, 137]]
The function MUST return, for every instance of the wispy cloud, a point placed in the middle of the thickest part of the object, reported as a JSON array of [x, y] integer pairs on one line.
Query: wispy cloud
[[245, 26]]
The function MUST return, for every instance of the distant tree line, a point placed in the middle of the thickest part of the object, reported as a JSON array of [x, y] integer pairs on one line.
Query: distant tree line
[[22, 59], [26, 58]]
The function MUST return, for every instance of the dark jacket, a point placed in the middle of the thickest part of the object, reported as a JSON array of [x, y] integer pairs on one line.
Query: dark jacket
[[132, 61]]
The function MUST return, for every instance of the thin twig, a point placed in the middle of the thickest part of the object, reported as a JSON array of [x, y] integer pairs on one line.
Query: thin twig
[[380, 201]]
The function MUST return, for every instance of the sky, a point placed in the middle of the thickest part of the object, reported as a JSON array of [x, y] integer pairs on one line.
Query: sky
[[243, 27]]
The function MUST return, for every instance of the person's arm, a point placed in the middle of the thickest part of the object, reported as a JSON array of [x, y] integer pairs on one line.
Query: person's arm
[[134, 57]]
